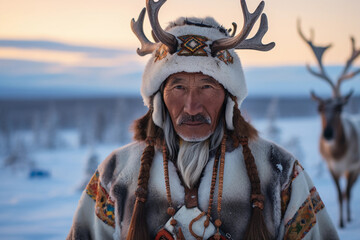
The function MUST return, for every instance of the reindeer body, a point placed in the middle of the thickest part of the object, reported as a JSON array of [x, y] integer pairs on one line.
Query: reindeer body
[[342, 154], [340, 138], [343, 151]]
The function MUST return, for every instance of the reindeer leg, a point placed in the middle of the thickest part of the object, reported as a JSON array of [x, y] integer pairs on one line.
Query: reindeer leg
[[351, 179], [340, 198]]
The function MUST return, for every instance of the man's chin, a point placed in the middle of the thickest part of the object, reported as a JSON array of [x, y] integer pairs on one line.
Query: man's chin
[[194, 138]]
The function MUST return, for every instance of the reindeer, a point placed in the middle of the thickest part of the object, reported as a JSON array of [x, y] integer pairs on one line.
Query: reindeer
[[340, 138]]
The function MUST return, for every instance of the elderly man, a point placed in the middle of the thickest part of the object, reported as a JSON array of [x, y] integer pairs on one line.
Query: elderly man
[[197, 169]]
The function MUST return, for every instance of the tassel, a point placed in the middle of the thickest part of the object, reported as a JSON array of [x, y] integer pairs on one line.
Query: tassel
[[138, 225], [138, 229], [257, 229]]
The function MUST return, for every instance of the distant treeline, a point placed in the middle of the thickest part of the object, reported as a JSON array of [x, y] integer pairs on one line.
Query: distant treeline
[[99, 120]]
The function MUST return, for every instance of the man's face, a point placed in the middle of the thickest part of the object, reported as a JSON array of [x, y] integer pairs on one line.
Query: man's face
[[194, 102]]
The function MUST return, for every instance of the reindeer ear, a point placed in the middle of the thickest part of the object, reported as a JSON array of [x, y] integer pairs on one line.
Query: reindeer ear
[[315, 97]]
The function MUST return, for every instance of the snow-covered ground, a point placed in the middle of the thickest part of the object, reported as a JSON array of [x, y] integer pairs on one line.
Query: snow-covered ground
[[42, 208]]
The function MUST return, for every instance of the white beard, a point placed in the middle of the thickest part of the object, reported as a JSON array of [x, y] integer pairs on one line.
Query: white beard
[[195, 139], [192, 158]]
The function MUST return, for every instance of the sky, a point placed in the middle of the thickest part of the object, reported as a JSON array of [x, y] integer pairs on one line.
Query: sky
[[47, 37], [106, 24]]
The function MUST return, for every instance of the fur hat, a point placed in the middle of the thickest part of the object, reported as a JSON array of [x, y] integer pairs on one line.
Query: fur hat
[[194, 37], [191, 50]]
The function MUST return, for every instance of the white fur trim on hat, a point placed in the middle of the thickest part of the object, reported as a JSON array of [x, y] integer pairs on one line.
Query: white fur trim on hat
[[229, 74], [157, 115], [229, 113]]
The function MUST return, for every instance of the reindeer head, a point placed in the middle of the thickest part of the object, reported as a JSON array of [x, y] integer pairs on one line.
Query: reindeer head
[[330, 109]]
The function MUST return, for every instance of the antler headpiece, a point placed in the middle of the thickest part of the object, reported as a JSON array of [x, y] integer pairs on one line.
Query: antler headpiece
[[197, 45]]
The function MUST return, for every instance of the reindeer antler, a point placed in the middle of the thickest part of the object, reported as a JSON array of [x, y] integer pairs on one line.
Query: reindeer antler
[[233, 30], [345, 75], [318, 52], [164, 37], [147, 47], [240, 41]]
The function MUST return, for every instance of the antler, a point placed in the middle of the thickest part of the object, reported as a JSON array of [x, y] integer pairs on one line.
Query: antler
[[318, 52], [255, 42], [166, 38], [233, 30], [147, 47], [345, 75], [240, 41]]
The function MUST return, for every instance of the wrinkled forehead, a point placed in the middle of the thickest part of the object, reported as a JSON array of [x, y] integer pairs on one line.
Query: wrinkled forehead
[[196, 78]]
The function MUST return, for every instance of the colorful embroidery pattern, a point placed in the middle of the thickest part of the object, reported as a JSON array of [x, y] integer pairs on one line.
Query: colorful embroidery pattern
[[225, 56], [104, 207], [92, 186], [297, 169], [316, 200], [161, 53], [192, 45], [285, 194], [305, 218], [285, 199]]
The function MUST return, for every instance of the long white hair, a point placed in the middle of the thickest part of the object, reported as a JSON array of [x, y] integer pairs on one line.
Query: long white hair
[[191, 157]]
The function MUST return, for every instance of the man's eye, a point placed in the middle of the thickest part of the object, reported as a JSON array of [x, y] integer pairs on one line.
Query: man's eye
[[179, 87], [206, 86]]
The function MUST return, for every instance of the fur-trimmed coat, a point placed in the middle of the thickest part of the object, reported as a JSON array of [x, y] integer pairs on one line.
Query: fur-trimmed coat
[[293, 208]]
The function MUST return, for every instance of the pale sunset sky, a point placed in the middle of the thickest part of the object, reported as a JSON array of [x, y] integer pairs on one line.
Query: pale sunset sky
[[106, 23]]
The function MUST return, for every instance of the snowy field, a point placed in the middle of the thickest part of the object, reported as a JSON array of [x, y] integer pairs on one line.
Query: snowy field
[[42, 208]]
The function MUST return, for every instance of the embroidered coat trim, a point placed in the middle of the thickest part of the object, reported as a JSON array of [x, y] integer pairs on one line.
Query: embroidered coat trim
[[305, 217], [104, 207], [286, 193]]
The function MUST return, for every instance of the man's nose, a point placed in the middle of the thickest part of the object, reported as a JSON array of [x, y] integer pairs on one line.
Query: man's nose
[[193, 103]]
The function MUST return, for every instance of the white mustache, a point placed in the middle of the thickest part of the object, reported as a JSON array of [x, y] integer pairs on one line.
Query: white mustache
[[193, 118]]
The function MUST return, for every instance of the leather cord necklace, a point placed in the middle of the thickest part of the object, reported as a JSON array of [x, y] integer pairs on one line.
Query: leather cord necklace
[[220, 153]]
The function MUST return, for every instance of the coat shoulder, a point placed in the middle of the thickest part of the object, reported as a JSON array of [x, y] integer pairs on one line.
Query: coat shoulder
[[119, 161], [280, 160]]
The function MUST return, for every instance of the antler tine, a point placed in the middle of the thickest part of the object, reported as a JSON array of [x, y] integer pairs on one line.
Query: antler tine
[[318, 52], [234, 29], [345, 75], [249, 21], [255, 42], [147, 47], [166, 38]]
